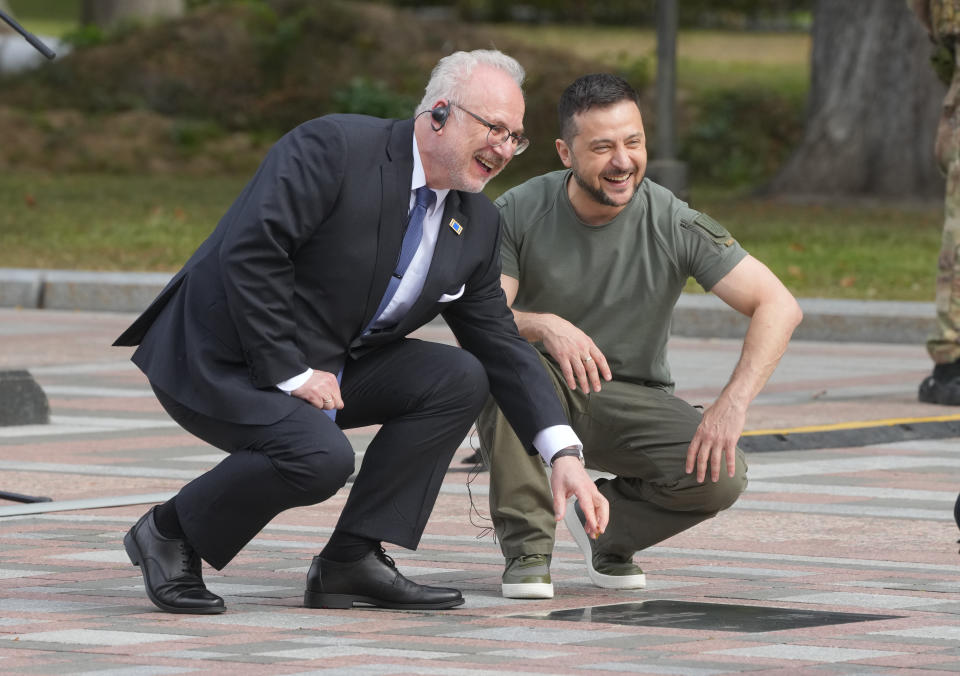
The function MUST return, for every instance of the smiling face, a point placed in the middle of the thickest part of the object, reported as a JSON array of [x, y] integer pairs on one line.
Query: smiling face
[[466, 161], [608, 156]]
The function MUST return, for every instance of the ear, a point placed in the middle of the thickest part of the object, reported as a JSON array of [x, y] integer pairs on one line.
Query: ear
[[563, 150], [439, 114]]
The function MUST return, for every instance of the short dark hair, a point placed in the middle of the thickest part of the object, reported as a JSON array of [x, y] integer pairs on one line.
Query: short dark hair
[[595, 89]]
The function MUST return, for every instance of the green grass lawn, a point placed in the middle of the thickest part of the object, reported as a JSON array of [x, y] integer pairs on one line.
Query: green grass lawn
[[55, 18], [108, 222], [111, 222], [837, 251], [705, 59], [131, 222]]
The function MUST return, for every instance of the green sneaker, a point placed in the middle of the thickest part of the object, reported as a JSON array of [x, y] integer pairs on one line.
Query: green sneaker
[[605, 570], [527, 577]]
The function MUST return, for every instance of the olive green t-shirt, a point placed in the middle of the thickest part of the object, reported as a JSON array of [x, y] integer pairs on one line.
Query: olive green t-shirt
[[617, 282]]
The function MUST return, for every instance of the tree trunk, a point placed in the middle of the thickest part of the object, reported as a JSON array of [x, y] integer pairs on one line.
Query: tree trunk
[[104, 13], [873, 106]]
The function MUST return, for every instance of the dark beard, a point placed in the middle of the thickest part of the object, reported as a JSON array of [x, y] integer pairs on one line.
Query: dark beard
[[596, 193]]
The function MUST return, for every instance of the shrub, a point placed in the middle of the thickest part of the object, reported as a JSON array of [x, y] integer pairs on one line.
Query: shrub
[[740, 136]]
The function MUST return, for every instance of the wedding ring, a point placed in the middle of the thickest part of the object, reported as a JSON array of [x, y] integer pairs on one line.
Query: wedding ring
[[588, 358], [328, 401]]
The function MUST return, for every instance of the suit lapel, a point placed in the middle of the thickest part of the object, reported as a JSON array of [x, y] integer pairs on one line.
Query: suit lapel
[[395, 176]]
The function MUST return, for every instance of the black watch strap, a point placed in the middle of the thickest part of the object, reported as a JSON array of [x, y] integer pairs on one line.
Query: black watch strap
[[564, 452]]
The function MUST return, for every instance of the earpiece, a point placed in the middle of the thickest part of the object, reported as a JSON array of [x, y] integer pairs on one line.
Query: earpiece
[[439, 114]]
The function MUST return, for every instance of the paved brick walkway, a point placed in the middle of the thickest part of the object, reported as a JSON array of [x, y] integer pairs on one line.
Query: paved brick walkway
[[835, 561]]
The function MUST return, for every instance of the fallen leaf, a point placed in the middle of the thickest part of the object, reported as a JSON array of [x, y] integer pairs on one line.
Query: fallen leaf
[[30, 200], [848, 281]]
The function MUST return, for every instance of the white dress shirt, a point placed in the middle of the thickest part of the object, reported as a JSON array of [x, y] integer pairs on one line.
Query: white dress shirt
[[549, 440]]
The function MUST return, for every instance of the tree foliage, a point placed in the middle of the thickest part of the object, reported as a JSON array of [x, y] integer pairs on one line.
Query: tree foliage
[[105, 13], [730, 13]]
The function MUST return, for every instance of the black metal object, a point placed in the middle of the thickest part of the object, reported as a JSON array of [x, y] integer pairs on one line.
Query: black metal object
[[867, 435], [18, 497], [27, 35], [50, 54], [709, 616], [22, 402]]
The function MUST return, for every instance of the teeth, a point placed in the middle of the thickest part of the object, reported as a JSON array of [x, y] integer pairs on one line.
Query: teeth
[[618, 179], [485, 163]]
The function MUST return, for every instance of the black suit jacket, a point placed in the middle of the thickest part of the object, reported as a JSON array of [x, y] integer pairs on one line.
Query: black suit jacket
[[297, 266]]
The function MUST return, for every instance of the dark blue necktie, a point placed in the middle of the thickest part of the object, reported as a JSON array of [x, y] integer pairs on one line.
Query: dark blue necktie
[[424, 198]]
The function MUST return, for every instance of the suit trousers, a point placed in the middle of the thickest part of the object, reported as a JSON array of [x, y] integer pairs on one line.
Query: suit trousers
[[636, 432], [424, 395]]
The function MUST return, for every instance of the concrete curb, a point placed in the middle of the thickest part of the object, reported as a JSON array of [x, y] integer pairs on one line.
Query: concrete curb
[[696, 315], [80, 289], [851, 321]]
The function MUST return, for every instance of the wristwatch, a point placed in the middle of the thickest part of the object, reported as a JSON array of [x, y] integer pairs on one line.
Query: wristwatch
[[564, 452]]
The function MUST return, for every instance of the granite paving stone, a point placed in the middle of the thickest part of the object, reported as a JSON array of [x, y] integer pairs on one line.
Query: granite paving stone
[[861, 529]]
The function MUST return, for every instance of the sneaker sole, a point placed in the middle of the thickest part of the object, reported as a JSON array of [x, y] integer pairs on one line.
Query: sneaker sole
[[527, 590], [583, 542]]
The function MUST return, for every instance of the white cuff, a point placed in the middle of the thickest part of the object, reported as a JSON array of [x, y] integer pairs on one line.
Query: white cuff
[[552, 439], [290, 384]]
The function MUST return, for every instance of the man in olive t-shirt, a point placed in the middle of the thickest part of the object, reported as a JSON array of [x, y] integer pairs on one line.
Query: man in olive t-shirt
[[594, 260]]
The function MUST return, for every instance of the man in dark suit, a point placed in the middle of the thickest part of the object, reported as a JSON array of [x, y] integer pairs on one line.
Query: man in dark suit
[[288, 325]]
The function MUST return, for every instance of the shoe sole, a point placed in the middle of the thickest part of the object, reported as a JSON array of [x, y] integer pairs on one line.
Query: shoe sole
[[583, 542], [527, 590], [133, 552], [342, 601], [936, 396]]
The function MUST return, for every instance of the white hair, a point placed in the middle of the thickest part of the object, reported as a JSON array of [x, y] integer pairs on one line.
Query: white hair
[[452, 74]]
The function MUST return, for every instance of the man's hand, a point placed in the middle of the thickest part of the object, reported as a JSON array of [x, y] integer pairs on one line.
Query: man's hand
[[580, 360], [717, 436], [322, 390], [570, 478]]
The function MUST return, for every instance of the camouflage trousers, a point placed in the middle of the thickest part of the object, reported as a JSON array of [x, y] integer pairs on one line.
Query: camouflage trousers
[[944, 344]]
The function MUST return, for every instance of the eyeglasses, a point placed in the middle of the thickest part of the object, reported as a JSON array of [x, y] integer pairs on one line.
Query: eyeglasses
[[498, 135]]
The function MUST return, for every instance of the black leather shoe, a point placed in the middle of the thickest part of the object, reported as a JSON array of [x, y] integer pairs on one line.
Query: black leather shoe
[[373, 580], [171, 570], [942, 386]]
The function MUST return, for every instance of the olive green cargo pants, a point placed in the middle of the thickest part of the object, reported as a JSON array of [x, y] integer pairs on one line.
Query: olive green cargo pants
[[638, 433]]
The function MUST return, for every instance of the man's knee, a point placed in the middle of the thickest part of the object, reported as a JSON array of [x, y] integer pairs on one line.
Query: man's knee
[[720, 495], [723, 493], [463, 380], [316, 471], [686, 494]]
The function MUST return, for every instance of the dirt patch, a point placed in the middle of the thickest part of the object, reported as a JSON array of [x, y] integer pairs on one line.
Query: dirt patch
[[140, 141]]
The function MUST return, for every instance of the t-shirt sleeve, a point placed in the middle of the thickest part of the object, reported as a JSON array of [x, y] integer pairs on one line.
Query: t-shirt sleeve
[[510, 240], [707, 249]]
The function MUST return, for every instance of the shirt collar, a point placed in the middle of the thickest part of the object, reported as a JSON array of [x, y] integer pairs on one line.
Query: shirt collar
[[419, 178]]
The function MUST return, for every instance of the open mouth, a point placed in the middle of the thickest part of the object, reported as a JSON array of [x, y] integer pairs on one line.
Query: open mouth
[[487, 166], [618, 180]]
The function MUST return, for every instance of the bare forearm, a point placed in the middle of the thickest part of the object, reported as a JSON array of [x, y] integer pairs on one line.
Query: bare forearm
[[751, 289], [767, 336], [532, 325]]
